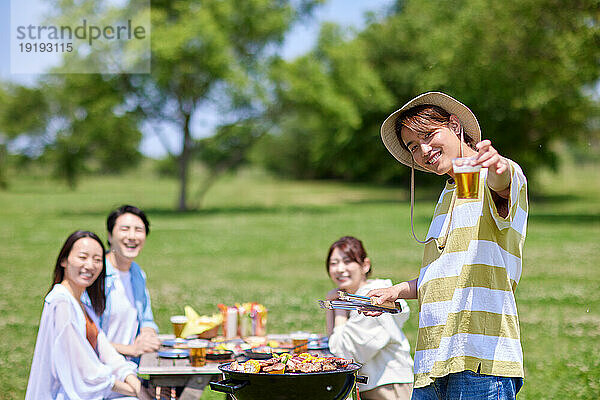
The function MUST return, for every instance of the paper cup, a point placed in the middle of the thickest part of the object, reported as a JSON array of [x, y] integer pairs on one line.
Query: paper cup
[[197, 353], [300, 342], [466, 175], [178, 322]]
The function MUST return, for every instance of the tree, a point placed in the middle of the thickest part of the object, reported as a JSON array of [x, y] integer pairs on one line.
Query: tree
[[525, 67], [76, 121], [3, 142], [227, 150], [211, 53], [325, 100], [23, 112], [202, 53]]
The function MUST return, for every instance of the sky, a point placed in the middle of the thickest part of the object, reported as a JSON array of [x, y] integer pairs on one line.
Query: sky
[[302, 37]]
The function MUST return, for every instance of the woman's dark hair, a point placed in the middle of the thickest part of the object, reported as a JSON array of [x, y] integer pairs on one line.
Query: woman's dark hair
[[351, 247], [425, 118], [96, 289], [112, 217]]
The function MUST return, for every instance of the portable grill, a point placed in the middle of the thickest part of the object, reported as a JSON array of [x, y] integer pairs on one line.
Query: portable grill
[[328, 385]]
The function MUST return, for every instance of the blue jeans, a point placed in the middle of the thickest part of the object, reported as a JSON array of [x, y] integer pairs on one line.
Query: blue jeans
[[469, 385]]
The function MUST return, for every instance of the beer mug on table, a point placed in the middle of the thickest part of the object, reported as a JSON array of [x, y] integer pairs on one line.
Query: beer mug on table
[[178, 322], [197, 352], [300, 342], [466, 175]]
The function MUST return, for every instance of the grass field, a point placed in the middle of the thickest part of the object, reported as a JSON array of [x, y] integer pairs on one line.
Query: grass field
[[260, 239]]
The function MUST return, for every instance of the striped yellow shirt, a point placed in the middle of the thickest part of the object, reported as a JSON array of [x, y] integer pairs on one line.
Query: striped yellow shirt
[[467, 311]]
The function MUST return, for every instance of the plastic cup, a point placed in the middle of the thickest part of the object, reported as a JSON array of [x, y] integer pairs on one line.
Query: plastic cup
[[197, 353], [466, 175], [178, 322], [300, 342]]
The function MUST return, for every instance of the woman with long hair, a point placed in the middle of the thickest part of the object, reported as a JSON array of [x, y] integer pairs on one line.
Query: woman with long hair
[[72, 357]]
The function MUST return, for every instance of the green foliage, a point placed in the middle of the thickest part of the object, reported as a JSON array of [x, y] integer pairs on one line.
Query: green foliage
[[523, 66], [3, 166], [16, 118], [94, 130], [226, 151], [527, 68], [78, 122], [228, 147], [166, 167], [210, 52], [23, 110], [288, 154], [325, 100]]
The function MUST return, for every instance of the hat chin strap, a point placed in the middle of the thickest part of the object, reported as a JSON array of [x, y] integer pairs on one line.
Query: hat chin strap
[[412, 203], [462, 141], [441, 242]]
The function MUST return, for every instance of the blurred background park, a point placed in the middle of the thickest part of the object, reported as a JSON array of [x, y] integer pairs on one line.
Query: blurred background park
[[250, 158]]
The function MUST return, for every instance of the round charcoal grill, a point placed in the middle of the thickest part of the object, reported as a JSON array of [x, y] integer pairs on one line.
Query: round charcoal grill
[[328, 385]]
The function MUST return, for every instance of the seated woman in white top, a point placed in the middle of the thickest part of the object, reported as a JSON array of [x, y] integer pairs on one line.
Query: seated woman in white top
[[377, 343], [72, 358]]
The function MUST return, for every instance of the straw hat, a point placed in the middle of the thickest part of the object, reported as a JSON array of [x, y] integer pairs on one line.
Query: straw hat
[[453, 106]]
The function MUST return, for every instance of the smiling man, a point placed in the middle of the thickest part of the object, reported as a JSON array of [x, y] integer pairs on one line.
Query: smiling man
[[468, 343], [127, 320]]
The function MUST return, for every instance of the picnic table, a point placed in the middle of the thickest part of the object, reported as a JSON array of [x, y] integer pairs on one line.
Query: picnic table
[[168, 373]]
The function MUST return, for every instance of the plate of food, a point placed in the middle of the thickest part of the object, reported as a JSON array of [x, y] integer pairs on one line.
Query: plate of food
[[219, 355], [259, 353], [174, 353]]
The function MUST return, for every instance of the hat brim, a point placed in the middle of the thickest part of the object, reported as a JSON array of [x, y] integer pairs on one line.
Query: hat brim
[[448, 103]]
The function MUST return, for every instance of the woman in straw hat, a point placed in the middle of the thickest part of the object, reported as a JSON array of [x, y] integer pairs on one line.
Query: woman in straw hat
[[468, 344]]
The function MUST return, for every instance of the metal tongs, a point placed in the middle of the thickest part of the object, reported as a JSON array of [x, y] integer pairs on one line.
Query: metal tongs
[[349, 301]]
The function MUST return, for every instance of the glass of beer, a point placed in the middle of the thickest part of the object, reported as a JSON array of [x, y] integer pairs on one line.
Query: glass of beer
[[178, 322], [466, 175], [300, 342], [197, 353]]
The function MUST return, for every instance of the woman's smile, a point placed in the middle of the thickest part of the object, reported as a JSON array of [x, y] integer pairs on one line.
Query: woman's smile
[[86, 274], [434, 156]]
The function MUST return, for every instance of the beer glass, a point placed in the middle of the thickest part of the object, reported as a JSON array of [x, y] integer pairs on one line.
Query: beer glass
[[178, 322], [197, 353], [466, 175], [300, 342]]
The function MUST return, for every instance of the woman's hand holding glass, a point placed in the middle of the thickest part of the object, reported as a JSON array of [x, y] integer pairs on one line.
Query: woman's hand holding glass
[[498, 169]]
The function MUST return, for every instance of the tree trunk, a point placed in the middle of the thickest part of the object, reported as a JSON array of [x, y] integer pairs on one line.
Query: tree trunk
[[207, 184], [184, 161], [214, 173], [3, 167]]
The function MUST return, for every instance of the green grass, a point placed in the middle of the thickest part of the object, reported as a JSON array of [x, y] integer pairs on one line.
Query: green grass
[[261, 239]]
